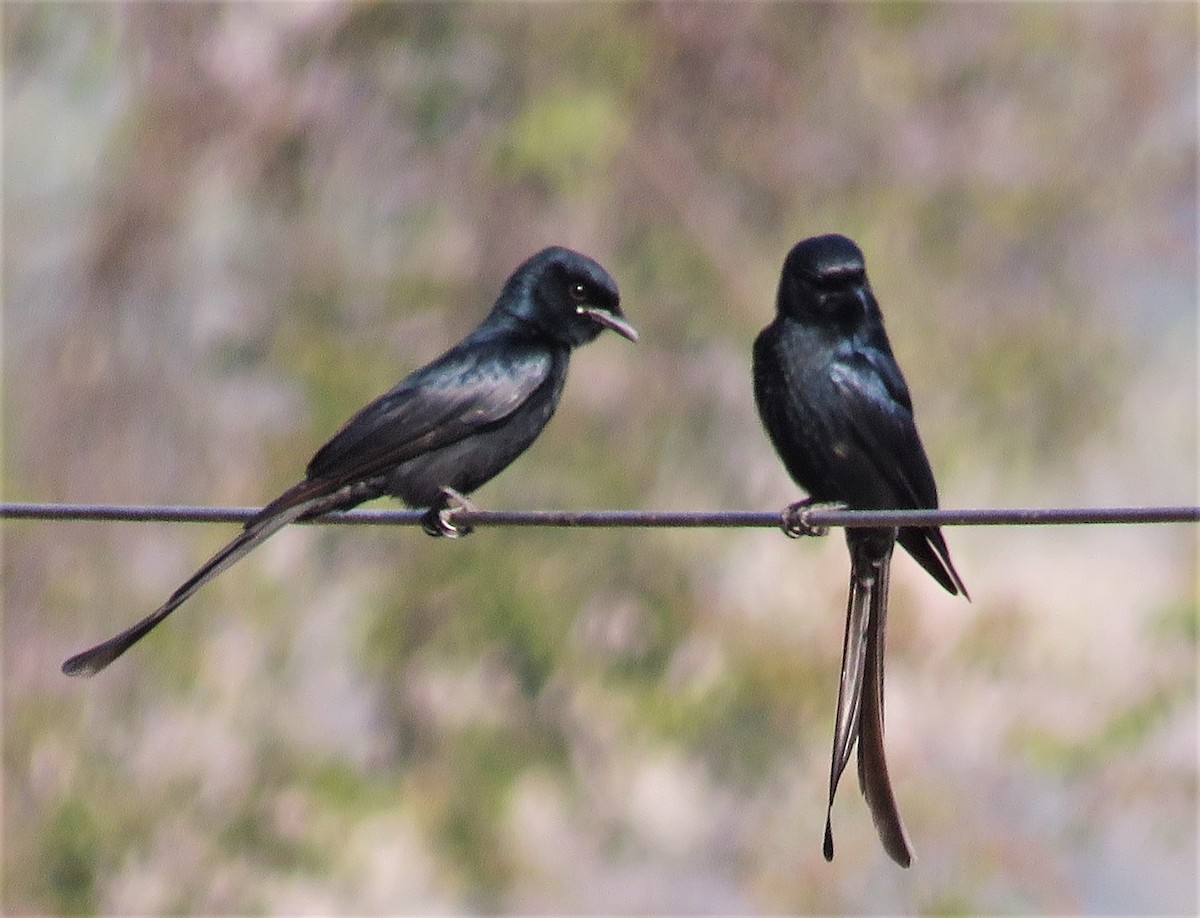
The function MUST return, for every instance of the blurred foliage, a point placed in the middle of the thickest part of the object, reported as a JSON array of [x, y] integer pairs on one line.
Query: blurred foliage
[[564, 144], [70, 858], [228, 226]]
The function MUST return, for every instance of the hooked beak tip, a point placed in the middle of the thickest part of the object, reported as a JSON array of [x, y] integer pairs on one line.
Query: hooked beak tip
[[606, 319]]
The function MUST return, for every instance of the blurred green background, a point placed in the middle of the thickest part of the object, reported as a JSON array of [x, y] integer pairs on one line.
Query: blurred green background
[[226, 227]]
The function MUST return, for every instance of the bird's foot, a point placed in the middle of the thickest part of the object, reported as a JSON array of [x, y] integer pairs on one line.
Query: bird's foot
[[438, 520], [794, 519]]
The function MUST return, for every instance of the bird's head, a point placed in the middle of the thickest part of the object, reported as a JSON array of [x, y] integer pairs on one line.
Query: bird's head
[[566, 295], [824, 282]]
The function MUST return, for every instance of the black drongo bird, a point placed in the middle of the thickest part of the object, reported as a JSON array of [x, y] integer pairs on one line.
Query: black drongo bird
[[837, 409], [447, 428]]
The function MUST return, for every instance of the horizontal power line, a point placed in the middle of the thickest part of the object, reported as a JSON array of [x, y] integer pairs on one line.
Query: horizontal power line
[[815, 516]]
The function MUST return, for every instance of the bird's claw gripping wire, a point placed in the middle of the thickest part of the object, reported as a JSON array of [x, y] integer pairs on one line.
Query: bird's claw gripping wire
[[794, 519], [438, 520]]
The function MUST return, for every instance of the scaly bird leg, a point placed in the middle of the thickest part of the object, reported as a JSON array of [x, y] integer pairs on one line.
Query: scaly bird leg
[[794, 519]]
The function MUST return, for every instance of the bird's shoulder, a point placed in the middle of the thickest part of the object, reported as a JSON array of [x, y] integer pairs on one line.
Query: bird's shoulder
[[868, 371], [481, 364]]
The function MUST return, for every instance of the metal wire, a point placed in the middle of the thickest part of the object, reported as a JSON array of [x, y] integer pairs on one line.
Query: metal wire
[[814, 516]]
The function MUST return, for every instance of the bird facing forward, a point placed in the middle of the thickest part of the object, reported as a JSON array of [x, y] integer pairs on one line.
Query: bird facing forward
[[837, 409], [444, 430]]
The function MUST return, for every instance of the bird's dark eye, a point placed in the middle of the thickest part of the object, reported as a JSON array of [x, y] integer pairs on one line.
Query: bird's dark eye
[[577, 292]]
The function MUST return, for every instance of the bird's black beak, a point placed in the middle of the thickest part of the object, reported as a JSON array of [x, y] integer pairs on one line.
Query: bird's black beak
[[609, 320]]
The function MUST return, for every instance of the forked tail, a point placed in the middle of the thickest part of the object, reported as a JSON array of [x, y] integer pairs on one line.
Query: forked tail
[[94, 659]]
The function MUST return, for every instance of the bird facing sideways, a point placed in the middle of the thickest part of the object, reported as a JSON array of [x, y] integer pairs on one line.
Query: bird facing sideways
[[442, 431], [835, 405]]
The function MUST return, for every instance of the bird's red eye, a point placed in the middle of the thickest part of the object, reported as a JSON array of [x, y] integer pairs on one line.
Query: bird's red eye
[[578, 292]]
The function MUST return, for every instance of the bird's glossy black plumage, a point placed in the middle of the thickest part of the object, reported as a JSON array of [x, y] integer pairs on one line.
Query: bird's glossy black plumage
[[837, 409], [453, 424]]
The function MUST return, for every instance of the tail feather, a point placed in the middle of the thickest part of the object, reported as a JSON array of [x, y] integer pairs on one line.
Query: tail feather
[[928, 548], [854, 661], [872, 761], [860, 696], [258, 530]]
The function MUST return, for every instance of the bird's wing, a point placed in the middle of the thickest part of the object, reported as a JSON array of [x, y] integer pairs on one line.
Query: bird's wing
[[881, 420], [474, 385], [880, 417]]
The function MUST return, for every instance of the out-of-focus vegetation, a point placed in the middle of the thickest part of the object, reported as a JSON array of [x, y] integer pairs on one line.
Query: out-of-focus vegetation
[[226, 227]]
